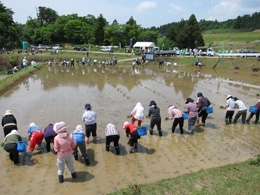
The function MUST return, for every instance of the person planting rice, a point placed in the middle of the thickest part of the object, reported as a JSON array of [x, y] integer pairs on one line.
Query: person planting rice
[[130, 129], [137, 114], [176, 113], [191, 108], [112, 135], [49, 135], [10, 145], [154, 115], [203, 103], [78, 136], [242, 109], [63, 145], [256, 114], [36, 136], [231, 105], [90, 117], [9, 122]]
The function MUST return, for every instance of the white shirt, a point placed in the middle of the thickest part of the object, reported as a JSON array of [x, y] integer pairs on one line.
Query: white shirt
[[241, 106], [89, 117]]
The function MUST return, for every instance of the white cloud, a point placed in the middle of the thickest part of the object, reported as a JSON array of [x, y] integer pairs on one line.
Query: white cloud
[[146, 5], [175, 7]]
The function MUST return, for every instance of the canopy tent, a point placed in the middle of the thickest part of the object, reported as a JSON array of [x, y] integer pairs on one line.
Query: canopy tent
[[145, 46]]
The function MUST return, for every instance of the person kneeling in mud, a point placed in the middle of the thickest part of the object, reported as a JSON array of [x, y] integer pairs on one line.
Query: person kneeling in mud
[[112, 135], [35, 135], [79, 136], [130, 129]]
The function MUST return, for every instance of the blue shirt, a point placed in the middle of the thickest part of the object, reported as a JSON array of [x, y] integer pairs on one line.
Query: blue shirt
[[31, 129]]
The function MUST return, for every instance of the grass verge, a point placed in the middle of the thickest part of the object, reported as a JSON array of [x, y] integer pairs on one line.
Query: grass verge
[[241, 178], [9, 81]]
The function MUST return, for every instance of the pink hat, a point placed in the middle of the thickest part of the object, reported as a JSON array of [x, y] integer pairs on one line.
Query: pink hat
[[60, 127]]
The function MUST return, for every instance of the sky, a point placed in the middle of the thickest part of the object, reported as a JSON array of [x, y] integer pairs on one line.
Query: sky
[[146, 13]]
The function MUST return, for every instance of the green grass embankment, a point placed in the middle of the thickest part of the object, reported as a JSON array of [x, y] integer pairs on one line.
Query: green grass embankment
[[241, 178]]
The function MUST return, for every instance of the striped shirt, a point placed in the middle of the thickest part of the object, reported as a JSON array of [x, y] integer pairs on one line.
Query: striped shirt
[[111, 130], [174, 112]]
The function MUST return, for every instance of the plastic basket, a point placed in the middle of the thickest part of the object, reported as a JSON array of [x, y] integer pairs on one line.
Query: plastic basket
[[209, 110], [253, 109], [141, 131], [78, 137], [22, 146], [185, 116]]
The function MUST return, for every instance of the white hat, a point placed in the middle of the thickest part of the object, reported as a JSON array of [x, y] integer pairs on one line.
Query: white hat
[[8, 112], [125, 123], [229, 96], [32, 124]]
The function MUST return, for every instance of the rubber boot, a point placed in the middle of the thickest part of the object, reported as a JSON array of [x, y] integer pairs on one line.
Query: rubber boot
[[74, 175], [60, 178], [131, 149], [151, 132], [226, 120], [160, 132], [117, 150], [87, 160], [107, 147]]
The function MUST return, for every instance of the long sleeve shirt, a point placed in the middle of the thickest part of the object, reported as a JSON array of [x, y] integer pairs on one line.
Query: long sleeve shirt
[[64, 145], [89, 117], [174, 112]]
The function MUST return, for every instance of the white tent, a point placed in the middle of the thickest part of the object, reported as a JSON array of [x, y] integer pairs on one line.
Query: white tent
[[144, 46]]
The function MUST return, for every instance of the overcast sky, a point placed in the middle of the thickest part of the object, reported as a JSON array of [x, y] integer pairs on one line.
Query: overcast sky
[[146, 13]]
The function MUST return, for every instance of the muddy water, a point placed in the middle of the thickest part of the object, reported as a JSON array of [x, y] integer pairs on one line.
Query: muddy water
[[57, 94]]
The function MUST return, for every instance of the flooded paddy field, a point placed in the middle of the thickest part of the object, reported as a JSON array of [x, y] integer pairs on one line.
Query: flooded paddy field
[[59, 94]]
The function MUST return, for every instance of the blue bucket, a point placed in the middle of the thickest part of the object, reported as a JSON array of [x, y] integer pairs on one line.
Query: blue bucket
[[209, 110], [22, 146], [253, 109], [78, 137], [141, 131], [185, 116]]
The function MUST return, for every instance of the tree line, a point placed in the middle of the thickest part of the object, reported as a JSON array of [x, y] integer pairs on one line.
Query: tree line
[[49, 28], [244, 23]]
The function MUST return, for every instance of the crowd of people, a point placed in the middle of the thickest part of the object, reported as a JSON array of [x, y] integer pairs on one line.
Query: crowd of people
[[66, 144]]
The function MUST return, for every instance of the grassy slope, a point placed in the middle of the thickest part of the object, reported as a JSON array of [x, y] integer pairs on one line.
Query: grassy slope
[[241, 178]]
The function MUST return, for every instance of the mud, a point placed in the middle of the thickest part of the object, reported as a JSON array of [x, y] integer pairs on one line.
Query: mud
[[59, 94]]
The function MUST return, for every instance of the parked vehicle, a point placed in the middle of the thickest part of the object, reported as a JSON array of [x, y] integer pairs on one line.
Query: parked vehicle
[[206, 51], [158, 52], [57, 46], [79, 48], [40, 46], [107, 49], [249, 51]]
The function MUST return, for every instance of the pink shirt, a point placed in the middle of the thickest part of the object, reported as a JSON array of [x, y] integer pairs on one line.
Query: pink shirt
[[174, 112], [191, 108], [64, 145]]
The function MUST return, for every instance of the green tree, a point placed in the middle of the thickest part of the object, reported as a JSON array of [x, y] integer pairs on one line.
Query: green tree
[[8, 31], [188, 33], [99, 30], [46, 16]]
